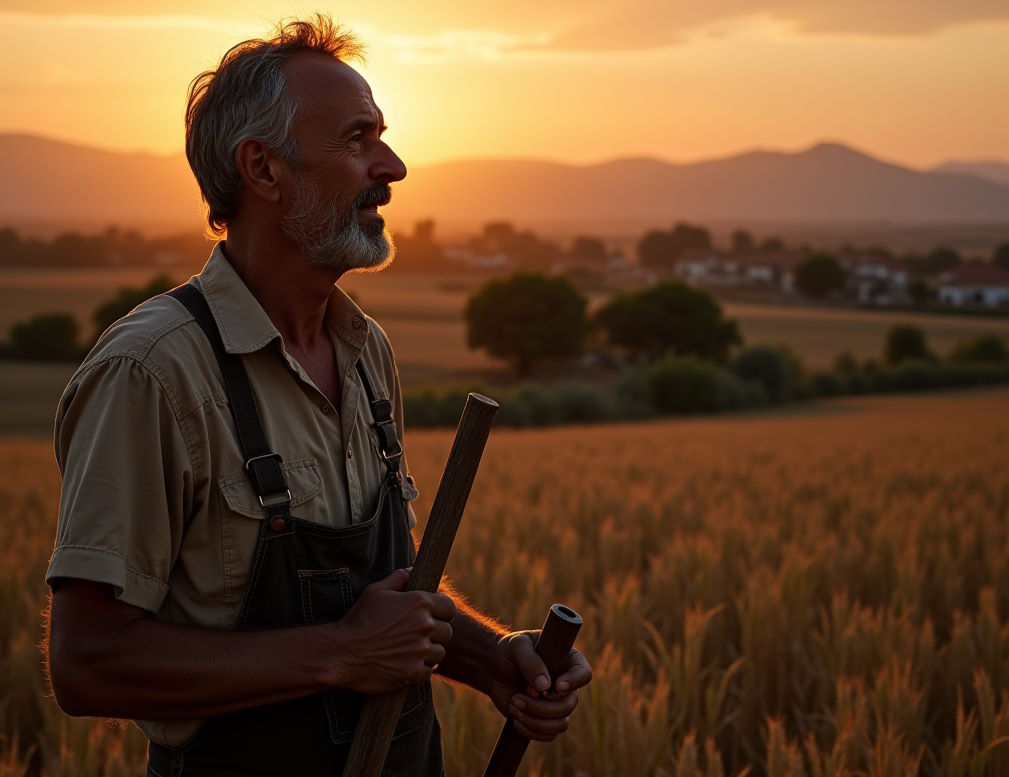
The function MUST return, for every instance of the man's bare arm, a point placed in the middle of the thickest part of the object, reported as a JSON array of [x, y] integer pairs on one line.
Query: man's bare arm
[[112, 659], [487, 657]]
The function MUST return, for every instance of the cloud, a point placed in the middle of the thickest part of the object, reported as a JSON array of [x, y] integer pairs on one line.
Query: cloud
[[649, 24]]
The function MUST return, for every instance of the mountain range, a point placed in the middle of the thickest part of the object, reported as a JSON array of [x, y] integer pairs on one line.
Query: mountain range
[[51, 182]]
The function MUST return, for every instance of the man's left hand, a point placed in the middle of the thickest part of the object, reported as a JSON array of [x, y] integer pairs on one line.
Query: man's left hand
[[539, 711]]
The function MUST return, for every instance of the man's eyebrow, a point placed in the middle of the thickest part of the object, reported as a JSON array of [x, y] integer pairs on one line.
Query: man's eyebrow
[[365, 123]]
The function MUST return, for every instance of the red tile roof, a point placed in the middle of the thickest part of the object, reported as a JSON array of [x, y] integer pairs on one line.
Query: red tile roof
[[976, 275]]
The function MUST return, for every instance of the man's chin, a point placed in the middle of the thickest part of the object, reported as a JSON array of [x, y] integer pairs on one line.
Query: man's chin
[[380, 263]]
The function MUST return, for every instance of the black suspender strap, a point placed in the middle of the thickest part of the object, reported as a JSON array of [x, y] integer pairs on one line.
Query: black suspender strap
[[389, 446], [262, 464]]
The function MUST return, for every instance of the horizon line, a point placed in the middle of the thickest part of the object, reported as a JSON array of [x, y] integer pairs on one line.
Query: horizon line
[[744, 151]]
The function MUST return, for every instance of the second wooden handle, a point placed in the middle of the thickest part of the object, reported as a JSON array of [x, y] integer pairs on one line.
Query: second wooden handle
[[553, 646]]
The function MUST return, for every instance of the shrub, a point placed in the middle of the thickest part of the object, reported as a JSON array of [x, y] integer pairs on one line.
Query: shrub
[[904, 342], [690, 385], [983, 348], [773, 368], [47, 337]]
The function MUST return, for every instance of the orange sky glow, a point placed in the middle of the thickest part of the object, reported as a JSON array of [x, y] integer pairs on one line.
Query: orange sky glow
[[917, 83]]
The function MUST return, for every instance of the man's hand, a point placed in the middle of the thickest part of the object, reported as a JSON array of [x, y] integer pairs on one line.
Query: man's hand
[[396, 637], [538, 712]]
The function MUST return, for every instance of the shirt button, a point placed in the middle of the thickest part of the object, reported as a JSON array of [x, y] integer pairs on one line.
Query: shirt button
[[327, 409], [350, 453]]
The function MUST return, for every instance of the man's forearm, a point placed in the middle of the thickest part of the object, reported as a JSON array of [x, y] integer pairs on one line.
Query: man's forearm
[[468, 658], [149, 669]]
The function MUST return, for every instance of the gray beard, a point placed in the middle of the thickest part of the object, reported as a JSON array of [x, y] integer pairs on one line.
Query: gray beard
[[331, 235]]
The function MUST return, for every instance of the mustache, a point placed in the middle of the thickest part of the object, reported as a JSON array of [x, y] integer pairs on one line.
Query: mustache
[[379, 194]]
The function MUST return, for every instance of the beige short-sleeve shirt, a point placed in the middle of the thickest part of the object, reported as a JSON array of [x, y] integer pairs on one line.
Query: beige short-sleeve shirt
[[155, 499]]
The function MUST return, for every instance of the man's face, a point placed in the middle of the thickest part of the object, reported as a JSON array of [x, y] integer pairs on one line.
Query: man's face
[[343, 171]]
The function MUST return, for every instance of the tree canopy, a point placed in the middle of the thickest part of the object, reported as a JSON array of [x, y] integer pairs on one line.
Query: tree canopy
[[1000, 256], [527, 319], [658, 250], [819, 275], [904, 342], [668, 317]]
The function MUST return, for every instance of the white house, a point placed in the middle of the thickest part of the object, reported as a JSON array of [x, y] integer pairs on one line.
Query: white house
[[975, 284]]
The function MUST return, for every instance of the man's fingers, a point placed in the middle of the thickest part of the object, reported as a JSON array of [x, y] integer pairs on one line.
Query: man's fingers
[[540, 730], [394, 582], [442, 607], [575, 675], [523, 653], [531, 707], [442, 633]]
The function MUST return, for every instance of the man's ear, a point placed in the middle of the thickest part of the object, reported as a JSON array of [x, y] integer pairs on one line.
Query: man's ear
[[259, 168]]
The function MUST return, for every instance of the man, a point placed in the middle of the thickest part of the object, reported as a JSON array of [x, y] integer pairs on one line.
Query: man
[[234, 520]]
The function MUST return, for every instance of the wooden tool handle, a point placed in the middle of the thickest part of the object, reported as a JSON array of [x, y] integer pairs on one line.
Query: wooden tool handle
[[553, 646], [378, 719]]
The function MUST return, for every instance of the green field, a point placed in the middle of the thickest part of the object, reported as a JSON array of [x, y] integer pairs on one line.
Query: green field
[[423, 316]]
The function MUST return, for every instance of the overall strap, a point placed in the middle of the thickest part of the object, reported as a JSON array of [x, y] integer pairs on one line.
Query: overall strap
[[262, 464], [389, 446]]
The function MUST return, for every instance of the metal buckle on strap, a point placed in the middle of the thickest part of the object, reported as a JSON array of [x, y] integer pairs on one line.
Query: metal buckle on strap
[[389, 458], [276, 456], [286, 499]]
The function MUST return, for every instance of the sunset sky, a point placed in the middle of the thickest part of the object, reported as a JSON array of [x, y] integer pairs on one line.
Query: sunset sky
[[913, 82]]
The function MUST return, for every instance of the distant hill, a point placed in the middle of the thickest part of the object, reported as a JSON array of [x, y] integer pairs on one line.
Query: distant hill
[[49, 181], [989, 170], [826, 183]]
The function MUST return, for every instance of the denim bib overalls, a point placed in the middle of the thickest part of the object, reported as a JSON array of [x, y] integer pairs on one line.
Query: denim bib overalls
[[303, 573]]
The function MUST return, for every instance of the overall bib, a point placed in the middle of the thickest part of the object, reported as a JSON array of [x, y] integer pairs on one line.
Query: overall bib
[[305, 572]]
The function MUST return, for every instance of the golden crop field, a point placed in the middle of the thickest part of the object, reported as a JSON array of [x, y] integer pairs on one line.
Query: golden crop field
[[822, 590]]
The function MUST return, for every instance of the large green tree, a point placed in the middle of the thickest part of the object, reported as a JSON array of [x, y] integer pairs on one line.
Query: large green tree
[[527, 319], [668, 317]]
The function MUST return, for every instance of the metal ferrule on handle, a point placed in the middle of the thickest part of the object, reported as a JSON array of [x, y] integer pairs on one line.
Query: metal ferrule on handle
[[377, 723]]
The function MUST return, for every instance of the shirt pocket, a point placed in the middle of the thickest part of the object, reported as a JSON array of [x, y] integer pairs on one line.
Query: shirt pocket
[[242, 516]]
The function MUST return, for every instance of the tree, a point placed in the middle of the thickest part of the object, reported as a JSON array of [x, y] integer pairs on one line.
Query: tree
[[687, 237], [1000, 256], [590, 250], [819, 275], [656, 251], [127, 298], [668, 317], [772, 244], [905, 342], [920, 291], [527, 319], [742, 242], [48, 337]]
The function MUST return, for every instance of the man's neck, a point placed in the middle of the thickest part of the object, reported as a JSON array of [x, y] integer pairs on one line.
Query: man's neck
[[294, 292]]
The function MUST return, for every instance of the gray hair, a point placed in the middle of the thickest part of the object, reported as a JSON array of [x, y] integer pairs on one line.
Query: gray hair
[[246, 97]]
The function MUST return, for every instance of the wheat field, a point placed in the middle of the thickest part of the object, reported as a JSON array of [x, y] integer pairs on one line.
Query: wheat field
[[817, 591]]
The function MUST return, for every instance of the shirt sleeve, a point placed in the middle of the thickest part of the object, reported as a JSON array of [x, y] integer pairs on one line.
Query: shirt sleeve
[[127, 482]]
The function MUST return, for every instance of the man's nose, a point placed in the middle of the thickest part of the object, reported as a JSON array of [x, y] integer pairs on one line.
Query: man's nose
[[388, 167]]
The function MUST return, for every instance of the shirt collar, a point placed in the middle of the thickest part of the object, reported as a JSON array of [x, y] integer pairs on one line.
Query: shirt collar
[[244, 325]]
